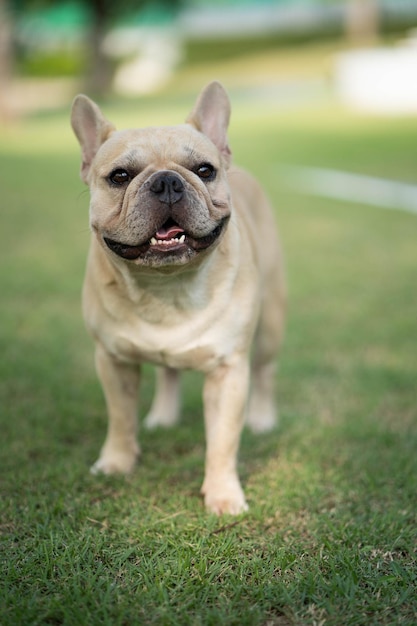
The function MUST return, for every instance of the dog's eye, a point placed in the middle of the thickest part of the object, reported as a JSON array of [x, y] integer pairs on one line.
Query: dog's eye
[[205, 171], [119, 177]]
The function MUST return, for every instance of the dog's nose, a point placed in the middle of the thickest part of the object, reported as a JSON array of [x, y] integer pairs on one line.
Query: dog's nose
[[168, 186]]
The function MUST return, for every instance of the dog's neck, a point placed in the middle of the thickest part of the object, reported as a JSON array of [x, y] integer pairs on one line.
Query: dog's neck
[[178, 287], [189, 288]]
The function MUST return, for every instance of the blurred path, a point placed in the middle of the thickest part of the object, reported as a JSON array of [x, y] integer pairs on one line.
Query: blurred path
[[30, 95], [346, 186]]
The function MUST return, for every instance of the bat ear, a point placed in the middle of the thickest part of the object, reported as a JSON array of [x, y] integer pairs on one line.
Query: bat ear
[[211, 115], [91, 129]]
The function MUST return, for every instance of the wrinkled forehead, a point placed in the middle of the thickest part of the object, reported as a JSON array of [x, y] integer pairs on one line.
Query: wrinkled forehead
[[158, 145]]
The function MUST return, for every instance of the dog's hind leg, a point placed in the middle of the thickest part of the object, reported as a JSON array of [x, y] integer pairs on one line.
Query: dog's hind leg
[[165, 407], [262, 411]]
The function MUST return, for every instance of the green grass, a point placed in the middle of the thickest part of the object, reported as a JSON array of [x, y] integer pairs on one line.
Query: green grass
[[330, 537]]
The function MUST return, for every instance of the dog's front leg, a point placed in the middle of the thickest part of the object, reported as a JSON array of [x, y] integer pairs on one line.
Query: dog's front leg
[[120, 383], [225, 394]]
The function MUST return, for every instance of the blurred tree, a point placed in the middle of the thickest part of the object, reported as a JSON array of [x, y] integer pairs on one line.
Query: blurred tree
[[362, 21], [6, 57], [102, 15]]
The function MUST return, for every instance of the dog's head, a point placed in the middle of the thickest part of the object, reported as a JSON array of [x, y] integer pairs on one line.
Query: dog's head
[[159, 196]]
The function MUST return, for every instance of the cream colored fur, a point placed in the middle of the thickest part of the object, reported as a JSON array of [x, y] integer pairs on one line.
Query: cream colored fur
[[218, 310]]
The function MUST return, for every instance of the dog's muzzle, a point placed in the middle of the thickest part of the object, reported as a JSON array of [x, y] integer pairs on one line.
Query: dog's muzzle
[[172, 243]]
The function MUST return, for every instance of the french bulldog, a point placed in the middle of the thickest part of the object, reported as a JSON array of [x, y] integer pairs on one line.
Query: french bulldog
[[185, 272]]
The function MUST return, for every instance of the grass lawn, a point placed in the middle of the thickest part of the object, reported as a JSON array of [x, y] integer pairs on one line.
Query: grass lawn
[[330, 538]]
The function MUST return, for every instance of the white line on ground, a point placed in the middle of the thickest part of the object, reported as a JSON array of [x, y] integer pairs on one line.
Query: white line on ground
[[380, 192]]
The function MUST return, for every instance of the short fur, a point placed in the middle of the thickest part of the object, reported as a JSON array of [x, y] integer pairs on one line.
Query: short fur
[[193, 303]]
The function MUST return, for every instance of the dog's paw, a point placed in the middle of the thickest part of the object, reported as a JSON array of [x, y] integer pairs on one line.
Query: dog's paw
[[262, 417], [116, 461], [224, 497], [160, 420], [263, 424]]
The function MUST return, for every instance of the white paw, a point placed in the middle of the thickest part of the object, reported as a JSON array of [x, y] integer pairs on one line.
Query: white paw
[[224, 497], [261, 418], [164, 420], [116, 461], [262, 425]]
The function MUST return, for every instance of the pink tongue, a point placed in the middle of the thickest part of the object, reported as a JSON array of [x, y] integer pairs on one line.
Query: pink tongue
[[168, 233]]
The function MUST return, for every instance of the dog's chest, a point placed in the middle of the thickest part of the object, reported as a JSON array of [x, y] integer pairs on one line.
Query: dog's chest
[[198, 357], [178, 347], [198, 328]]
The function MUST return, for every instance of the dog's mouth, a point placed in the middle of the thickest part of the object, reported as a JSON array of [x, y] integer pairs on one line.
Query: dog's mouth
[[170, 240]]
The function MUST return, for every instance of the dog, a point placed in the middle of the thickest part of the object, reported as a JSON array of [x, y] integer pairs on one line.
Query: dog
[[184, 272]]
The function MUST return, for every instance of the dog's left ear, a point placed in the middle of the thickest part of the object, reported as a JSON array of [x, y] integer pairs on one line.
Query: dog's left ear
[[211, 116], [91, 129]]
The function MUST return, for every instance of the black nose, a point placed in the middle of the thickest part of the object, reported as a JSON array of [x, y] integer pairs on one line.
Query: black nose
[[168, 186]]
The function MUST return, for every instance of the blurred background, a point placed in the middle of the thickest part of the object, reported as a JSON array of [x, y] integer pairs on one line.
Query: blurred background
[[51, 49]]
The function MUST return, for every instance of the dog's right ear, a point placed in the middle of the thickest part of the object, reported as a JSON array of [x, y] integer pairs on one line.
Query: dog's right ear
[[211, 116], [91, 129]]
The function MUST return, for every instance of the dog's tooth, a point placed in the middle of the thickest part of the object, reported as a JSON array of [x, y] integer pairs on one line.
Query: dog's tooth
[[166, 242]]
